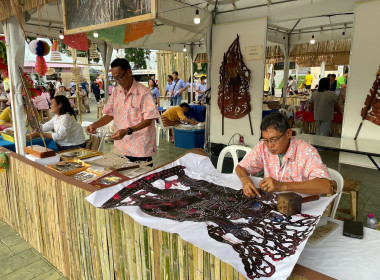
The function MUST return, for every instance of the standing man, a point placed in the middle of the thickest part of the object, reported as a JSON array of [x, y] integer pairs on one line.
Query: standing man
[[201, 88], [273, 83], [169, 88], [133, 111], [73, 87], [179, 88], [96, 90], [341, 82], [333, 82], [308, 80]]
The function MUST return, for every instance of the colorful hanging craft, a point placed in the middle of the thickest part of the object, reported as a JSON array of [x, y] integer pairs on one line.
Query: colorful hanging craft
[[55, 54], [233, 91], [3, 54], [41, 49], [371, 110], [77, 41], [137, 30]]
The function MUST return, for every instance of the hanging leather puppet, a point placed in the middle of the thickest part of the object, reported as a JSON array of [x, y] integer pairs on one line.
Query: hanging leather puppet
[[233, 90], [371, 110]]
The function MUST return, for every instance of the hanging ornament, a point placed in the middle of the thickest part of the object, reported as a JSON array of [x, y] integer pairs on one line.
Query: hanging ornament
[[40, 48], [55, 54], [4, 162], [93, 51]]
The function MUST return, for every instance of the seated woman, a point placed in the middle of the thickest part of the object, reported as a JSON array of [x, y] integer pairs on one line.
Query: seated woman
[[6, 118], [68, 133]]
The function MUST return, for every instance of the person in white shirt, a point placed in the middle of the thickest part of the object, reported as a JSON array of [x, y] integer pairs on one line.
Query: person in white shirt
[[68, 133]]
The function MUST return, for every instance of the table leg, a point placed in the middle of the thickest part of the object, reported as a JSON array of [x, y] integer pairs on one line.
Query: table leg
[[374, 162]]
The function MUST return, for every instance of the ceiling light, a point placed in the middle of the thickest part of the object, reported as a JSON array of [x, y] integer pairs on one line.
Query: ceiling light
[[61, 36], [96, 35], [175, 56], [184, 48], [283, 38], [343, 33], [197, 19], [312, 41]]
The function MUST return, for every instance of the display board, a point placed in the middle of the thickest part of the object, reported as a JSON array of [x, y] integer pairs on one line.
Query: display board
[[89, 15]]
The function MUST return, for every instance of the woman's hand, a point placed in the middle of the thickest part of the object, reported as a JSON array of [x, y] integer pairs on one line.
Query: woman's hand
[[35, 134]]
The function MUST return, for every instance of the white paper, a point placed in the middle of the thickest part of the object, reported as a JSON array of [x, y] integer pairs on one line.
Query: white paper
[[200, 167]]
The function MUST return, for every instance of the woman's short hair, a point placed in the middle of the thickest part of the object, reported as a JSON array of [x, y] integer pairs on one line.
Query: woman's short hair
[[66, 106], [324, 84]]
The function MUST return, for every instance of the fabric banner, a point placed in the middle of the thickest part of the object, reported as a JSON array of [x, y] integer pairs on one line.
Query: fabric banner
[[77, 41], [137, 30], [208, 209]]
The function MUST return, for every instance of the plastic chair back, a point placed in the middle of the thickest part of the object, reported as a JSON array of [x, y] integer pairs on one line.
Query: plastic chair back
[[233, 150], [335, 175]]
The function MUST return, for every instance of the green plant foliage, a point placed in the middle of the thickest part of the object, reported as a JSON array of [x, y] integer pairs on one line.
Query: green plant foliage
[[137, 57]]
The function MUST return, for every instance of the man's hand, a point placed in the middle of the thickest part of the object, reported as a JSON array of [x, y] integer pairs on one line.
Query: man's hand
[[91, 129], [249, 188], [271, 185], [118, 135]]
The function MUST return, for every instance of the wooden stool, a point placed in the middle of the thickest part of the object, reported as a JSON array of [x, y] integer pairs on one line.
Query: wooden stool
[[351, 187]]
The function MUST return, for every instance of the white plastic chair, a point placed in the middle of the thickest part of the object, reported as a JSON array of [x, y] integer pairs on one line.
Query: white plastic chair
[[233, 150], [283, 111], [335, 175], [160, 126]]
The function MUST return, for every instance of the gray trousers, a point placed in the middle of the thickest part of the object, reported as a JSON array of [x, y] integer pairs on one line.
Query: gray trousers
[[323, 127]]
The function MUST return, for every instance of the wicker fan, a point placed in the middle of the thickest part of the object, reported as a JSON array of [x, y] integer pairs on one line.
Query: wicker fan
[[93, 51]]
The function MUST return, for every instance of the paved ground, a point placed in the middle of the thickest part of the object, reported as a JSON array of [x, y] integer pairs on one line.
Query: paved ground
[[19, 261]]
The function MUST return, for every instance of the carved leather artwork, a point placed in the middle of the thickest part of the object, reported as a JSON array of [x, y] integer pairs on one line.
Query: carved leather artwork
[[260, 234], [233, 90], [371, 111]]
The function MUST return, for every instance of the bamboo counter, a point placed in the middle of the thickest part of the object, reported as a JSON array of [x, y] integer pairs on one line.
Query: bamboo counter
[[49, 211]]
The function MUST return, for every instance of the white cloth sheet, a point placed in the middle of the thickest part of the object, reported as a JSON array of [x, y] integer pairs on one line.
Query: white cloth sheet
[[345, 258], [200, 167]]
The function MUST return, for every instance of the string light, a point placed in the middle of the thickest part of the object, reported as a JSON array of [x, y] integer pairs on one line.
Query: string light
[[312, 41], [96, 35], [61, 36], [184, 48], [197, 19]]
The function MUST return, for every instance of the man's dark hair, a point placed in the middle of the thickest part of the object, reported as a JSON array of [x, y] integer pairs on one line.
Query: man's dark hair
[[122, 62], [185, 105], [346, 72], [290, 78], [324, 84], [203, 77], [170, 77], [276, 120], [333, 75], [308, 72], [175, 72], [329, 75]]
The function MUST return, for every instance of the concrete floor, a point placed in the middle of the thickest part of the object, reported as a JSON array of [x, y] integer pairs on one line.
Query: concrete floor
[[18, 260]]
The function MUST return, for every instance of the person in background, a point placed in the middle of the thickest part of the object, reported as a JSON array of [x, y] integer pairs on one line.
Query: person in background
[[84, 85], [189, 93], [6, 118], [61, 91], [154, 90], [289, 164], [96, 91], [99, 81], [324, 101], [42, 102], [134, 113], [273, 83], [201, 88], [85, 99], [296, 80], [308, 80], [68, 133], [51, 90], [73, 87], [342, 97], [292, 87], [266, 84], [169, 88], [341, 82], [58, 84], [178, 89], [333, 81]]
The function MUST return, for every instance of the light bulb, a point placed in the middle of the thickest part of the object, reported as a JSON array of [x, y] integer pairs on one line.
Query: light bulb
[[61, 36], [197, 19], [96, 35], [184, 48], [312, 41]]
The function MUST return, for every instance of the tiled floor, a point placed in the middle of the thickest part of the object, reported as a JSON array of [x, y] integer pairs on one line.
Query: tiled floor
[[19, 261]]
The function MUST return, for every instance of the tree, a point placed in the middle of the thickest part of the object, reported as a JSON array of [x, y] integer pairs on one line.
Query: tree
[[137, 57]]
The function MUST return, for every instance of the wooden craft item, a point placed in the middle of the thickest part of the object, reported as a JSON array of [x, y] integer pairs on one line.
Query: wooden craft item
[[233, 92], [289, 204], [109, 180], [69, 167], [79, 153], [39, 151], [123, 168], [371, 110]]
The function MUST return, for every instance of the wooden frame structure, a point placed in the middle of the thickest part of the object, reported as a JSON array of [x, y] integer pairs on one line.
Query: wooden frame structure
[[104, 25]]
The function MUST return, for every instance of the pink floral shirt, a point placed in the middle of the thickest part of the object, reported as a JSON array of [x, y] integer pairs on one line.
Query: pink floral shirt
[[300, 163], [129, 109]]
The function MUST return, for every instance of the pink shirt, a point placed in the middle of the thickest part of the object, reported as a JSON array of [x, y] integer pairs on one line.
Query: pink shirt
[[300, 163], [129, 109], [42, 101]]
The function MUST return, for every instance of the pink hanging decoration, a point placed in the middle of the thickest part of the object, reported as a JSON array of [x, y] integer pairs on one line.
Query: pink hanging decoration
[[40, 48], [41, 67]]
